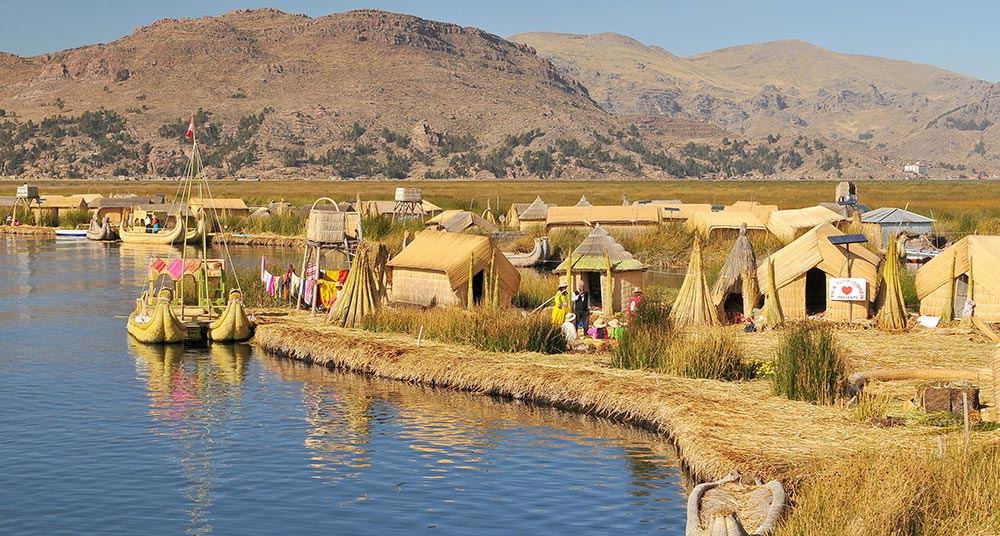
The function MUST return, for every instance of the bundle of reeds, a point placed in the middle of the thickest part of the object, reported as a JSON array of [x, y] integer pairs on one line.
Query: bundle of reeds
[[772, 309], [892, 314], [364, 289], [694, 306]]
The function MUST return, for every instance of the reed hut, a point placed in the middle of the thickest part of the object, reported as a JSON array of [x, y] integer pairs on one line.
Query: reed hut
[[791, 224], [682, 211], [967, 270], [883, 225], [802, 272], [726, 224], [532, 217], [460, 221], [736, 289], [591, 260], [436, 267], [223, 206], [624, 218], [116, 209], [583, 202], [762, 212], [693, 306], [54, 205]]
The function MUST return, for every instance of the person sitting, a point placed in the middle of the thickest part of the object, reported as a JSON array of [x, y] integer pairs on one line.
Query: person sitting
[[569, 329], [600, 329], [156, 225], [615, 329]]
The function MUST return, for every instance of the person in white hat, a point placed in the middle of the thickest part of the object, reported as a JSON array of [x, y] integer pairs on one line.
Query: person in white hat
[[569, 329], [561, 306]]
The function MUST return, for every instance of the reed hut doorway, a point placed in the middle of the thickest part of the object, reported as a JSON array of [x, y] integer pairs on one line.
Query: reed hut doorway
[[732, 304], [816, 290], [961, 295], [477, 287], [593, 282]]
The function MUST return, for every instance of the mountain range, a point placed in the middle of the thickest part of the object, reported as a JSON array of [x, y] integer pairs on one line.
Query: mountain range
[[378, 94]]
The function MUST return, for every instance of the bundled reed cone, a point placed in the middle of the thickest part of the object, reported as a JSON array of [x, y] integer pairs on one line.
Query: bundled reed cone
[[693, 306], [892, 314], [364, 289], [772, 309], [739, 275]]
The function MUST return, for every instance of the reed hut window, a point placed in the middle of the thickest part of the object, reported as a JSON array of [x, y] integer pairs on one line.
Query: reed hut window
[[816, 291], [477, 287], [961, 294], [593, 281]]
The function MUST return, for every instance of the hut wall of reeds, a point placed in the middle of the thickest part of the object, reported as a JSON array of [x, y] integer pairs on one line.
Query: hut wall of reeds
[[458, 221], [59, 204], [533, 217], [802, 272], [976, 262], [791, 224], [224, 206], [611, 217], [329, 225], [435, 268], [590, 263]]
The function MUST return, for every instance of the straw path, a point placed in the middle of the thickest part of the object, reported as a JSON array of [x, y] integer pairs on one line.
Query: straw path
[[716, 426]]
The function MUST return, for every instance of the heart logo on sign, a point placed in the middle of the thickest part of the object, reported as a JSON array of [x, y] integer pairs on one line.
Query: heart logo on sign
[[847, 290]]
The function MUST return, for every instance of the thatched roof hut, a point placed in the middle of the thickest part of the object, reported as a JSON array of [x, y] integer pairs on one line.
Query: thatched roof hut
[[726, 224], [611, 217], [531, 217], [583, 202], [458, 221], [737, 288], [231, 206], [681, 211], [436, 267], [967, 270], [590, 263], [791, 224], [693, 306], [762, 212], [802, 273]]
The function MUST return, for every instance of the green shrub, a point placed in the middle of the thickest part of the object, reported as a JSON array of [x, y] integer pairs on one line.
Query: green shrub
[[809, 365]]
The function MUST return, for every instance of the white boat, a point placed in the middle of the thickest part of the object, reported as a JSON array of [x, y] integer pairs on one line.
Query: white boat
[[71, 233]]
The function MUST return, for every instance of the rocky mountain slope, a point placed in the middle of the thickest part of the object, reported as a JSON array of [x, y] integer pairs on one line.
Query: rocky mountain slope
[[894, 110]]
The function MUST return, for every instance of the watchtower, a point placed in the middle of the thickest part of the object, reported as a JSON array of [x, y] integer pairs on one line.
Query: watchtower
[[409, 204]]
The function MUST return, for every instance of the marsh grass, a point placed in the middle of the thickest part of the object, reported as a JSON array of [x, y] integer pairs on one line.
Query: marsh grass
[[908, 283], [289, 224], [916, 491], [809, 364], [254, 293], [73, 219], [871, 406], [496, 330], [536, 288]]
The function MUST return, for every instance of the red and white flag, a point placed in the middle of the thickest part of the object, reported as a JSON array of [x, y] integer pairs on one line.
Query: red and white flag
[[190, 132]]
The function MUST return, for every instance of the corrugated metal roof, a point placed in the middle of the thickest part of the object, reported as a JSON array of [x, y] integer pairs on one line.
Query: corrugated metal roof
[[894, 215]]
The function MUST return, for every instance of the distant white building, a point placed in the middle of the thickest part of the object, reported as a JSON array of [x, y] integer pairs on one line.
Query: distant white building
[[916, 168]]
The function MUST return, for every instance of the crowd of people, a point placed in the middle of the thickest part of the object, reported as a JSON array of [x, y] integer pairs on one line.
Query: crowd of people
[[575, 322]]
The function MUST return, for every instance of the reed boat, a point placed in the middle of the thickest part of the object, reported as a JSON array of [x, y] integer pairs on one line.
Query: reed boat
[[233, 325], [156, 323], [725, 507], [177, 231], [535, 257], [101, 231]]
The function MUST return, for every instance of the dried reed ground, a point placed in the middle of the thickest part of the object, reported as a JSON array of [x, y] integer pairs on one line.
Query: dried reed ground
[[717, 426]]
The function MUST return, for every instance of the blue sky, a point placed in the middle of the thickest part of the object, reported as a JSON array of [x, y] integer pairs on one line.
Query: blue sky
[[958, 35]]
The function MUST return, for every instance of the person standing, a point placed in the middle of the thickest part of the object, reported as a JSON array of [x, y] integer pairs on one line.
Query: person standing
[[581, 305], [561, 306], [635, 301]]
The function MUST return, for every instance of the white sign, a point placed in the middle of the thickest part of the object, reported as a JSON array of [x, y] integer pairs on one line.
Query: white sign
[[848, 289]]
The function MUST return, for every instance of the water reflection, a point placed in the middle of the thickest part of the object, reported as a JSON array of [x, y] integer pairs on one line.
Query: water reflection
[[193, 393]]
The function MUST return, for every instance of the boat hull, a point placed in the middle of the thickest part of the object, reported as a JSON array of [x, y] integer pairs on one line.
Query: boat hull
[[170, 236], [233, 325], [103, 232], [163, 327]]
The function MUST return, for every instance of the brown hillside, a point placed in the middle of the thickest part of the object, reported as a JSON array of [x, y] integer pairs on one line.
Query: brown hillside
[[899, 110]]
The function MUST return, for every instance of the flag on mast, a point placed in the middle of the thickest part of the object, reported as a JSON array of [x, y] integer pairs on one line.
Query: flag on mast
[[190, 132]]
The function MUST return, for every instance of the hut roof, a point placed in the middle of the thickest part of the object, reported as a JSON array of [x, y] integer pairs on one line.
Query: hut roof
[[388, 206], [88, 198], [814, 250], [763, 212], [225, 203], [590, 254], [456, 221], [785, 223], [979, 253], [682, 211], [706, 222], [889, 215], [583, 202], [590, 215], [7, 200], [119, 202], [450, 253], [741, 259], [63, 201], [536, 211]]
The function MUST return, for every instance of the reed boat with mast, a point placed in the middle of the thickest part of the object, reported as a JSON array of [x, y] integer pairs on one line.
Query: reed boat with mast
[[185, 298]]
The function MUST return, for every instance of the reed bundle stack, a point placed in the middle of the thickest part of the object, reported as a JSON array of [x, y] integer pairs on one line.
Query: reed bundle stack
[[693, 306], [892, 314], [364, 289]]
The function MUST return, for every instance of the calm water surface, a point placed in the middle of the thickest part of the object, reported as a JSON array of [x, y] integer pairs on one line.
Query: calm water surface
[[99, 435]]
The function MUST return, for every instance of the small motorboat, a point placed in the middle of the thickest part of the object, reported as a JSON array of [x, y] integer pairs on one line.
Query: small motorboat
[[71, 233]]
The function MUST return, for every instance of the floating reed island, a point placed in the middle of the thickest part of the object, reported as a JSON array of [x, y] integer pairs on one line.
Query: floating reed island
[[28, 230], [717, 426]]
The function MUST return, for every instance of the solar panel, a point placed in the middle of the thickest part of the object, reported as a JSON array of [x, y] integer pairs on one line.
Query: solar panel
[[848, 239]]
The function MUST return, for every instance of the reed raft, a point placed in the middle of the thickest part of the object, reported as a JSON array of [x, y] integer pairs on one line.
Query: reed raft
[[27, 230], [268, 239], [716, 426]]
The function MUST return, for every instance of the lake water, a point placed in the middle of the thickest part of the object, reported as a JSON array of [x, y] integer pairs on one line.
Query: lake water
[[101, 435]]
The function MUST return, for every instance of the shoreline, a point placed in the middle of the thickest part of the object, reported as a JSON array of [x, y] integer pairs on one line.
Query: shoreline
[[715, 426], [27, 230]]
